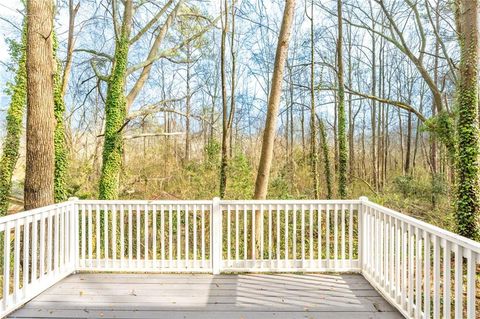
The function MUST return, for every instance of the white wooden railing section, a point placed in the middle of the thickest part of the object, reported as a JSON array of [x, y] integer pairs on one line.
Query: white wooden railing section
[[424, 271], [38, 250]]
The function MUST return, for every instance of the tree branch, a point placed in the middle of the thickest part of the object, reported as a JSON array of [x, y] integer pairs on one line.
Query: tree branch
[[151, 22], [153, 51], [93, 52], [155, 108], [72, 12], [131, 137], [97, 72], [399, 104], [172, 51]]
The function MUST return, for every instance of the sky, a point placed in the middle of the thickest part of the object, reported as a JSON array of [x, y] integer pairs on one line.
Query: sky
[[8, 11]]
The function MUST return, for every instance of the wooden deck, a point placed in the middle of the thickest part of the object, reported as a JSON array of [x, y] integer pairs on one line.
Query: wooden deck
[[203, 296]]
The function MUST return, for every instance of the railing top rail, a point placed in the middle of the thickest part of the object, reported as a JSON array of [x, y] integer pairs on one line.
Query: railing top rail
[[290, 202], [221, 202], [442, 233], [142, 202], [32, 212]]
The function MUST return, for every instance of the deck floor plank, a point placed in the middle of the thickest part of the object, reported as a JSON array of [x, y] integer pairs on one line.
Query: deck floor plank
[[247, 296]]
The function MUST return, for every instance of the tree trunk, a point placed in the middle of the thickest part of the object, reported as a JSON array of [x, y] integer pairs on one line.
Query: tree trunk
[[188, 109], [60, 83], [261, 183], [115, 111], [387, 142], [468, 173], [342, 140], [287, 117], [292, 130], [15, 114], [374, 111], [433, 141], [326, 158], [364, 161], [40, 164], [72, 13], [302, 123], [233, 80], [409, 144], [224, 160], [335, 131], [402, 151], [60, 142], [313, 127], [380, 117], [351, 119], [289, 124]]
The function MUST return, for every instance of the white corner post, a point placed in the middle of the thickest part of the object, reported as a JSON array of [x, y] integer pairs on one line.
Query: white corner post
[[361, 233], [216, 236], [73, 236]]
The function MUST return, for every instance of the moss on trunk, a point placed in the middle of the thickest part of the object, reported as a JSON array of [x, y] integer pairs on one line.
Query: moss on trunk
[[115, 116], [467, 162], [61, 152], [326, 157], [14, 127], [342, 121]]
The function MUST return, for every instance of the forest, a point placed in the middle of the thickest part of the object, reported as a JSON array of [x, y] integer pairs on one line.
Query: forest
[[243, 99]]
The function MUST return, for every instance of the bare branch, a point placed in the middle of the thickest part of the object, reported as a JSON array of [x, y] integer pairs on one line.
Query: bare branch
[[155, 108], [172, 51], [131, 137], [100, 76], [72, 12], [153, 51], [151, 22], [96, 53], [399, 104]]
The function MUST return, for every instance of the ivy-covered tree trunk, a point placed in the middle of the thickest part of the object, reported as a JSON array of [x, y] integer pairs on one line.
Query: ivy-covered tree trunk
[[468, 173], [61, 153], [115, 112], [326, 157], [313, 126], [342, 139], [15, 116]]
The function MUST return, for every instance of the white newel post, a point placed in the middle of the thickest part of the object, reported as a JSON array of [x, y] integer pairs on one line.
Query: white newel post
[[74, 240], [361, 233], [216, 236]]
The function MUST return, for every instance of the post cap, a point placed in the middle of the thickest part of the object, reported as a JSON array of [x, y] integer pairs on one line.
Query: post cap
[[363, 198]]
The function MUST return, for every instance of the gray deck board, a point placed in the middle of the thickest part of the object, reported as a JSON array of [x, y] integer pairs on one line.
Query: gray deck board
[[252, 296]]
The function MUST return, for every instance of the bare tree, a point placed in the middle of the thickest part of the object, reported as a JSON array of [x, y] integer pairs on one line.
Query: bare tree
[[263, 174]]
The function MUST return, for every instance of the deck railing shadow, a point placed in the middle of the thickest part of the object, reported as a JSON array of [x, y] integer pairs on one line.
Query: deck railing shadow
[[265, 292]]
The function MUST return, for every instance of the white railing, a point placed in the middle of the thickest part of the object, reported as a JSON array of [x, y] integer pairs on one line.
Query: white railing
[[38, 250], [422, 270], [311, 235], [425, 271], [158, 236]]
